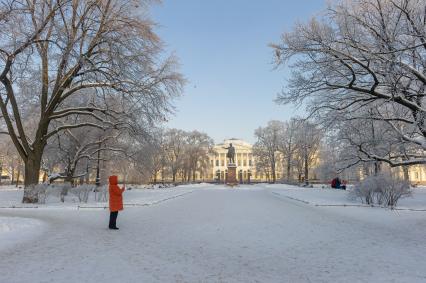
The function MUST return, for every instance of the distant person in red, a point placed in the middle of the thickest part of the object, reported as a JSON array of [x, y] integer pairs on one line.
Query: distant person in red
[[115, 201], [336, 183]]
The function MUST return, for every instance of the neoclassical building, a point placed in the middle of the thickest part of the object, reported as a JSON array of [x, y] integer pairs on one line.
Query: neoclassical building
[[246, 169]]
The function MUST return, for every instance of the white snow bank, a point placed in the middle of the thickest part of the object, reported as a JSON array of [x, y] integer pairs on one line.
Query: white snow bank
[[14, 230]]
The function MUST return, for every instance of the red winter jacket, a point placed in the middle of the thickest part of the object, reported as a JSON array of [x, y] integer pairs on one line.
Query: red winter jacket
[[115, 194]]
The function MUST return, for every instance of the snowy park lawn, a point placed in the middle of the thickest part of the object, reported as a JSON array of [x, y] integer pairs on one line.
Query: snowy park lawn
[[330, 197], [213, 233], [11, 197]]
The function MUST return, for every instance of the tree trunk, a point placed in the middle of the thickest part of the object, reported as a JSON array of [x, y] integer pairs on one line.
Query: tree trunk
[[13, 175], [406, 175], [366, 170], [274, 176], [19, 174], [44, 177], [68, 179], [288, 168], [32, 172], [306, 169], [377, 168]]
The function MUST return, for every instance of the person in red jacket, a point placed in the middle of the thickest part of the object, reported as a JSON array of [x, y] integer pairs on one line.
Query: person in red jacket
[[115, 201]]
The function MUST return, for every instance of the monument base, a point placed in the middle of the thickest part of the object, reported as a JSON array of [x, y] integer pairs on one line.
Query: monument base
[[231, 179]]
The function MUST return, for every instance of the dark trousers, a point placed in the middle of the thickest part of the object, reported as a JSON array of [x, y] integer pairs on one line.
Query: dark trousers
[[113, 219]]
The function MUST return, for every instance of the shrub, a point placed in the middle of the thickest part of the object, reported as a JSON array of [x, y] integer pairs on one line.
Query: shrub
[[44, 191], [101, 193], [82, 192], [382, 189]]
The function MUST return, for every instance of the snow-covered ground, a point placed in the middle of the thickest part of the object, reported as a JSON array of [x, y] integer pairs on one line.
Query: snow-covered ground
[[329, 197], [15, 230], [11, 197], [218, 234]]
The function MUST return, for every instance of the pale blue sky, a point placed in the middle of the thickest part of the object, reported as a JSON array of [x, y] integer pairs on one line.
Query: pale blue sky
[[223, 49]]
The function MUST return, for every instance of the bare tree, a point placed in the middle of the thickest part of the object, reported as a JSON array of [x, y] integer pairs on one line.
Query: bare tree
[[175, 145], [308, 139], [54, 51], [197, 151], [364, 61], [288, 145], [263, 164], [268, 139]]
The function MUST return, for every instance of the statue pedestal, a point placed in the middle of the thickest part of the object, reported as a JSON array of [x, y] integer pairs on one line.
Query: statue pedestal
[[231, 179]]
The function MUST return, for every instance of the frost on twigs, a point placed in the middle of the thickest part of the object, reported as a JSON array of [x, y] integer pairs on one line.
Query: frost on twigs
[[82, 192], [101, 193], [382, 189]]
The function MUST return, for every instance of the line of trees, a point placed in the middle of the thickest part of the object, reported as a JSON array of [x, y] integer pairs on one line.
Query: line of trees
[[292, 145], [78, 78], [361, 70], [181, 155]]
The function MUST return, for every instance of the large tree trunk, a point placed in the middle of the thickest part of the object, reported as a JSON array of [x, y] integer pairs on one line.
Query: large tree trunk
[[32, 172]]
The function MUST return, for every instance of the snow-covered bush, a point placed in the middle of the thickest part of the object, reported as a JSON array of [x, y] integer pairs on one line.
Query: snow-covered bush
[[43, 191], [382, 189], [58, 190], [39, 192], [101, 193], [394, 190], [82, 192]]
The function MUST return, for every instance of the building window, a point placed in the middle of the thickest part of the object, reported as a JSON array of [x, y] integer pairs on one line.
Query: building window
[[223, 162], [250, 163], [211, 162], [245, 162], [217, 162], [239, 162]]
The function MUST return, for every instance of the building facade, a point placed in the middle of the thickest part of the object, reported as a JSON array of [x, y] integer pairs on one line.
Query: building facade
[[244, 159]]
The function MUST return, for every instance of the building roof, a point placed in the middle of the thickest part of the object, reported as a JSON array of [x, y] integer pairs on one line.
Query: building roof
[[237, 143]]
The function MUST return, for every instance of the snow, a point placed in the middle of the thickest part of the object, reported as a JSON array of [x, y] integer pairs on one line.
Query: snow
[[11, 198], [14, 230], [213, 233], [332, 197]]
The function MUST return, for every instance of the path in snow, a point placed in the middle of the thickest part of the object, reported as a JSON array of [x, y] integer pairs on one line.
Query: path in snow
[[222, 236]]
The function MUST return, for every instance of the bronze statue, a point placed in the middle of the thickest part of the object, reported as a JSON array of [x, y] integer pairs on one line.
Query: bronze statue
[[231, 153]]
